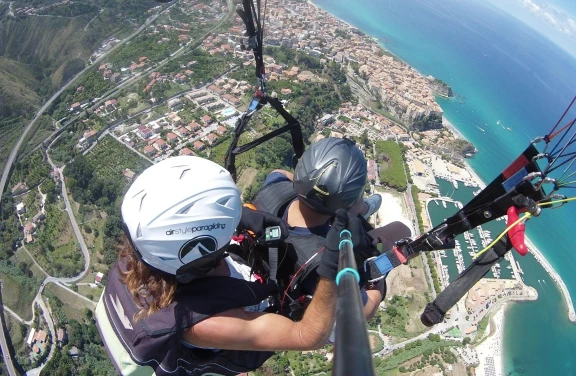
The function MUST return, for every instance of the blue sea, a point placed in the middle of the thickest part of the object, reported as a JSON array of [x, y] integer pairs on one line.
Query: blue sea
[[505, 75]]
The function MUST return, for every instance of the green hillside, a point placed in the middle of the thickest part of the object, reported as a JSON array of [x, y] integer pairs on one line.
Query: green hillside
[[38, 54], [17, 102]]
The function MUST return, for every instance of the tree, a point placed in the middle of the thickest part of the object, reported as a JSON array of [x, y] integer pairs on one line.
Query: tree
[[466, 341], [364, 140]]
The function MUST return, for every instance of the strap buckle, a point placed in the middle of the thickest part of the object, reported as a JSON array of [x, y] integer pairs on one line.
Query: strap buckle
[[377, 267]]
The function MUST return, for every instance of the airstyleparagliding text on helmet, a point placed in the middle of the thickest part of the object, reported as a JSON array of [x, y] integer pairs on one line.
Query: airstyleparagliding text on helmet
[[185, 230]]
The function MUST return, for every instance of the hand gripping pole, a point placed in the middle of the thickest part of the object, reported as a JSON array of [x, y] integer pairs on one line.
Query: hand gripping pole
[[352, 354]]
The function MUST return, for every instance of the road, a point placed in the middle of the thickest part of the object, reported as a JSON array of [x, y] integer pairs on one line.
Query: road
[[414, 218], [14, 153], [12, 159], [16, 149], [4, 344]]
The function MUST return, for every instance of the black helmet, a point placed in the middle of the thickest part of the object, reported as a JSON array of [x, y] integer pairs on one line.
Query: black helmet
[[330, 175]]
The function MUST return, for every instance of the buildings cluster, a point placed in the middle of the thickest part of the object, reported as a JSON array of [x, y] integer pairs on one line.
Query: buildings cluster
[[302, 26], [485, 292], [170, 135], [29, 226], [37, 339]]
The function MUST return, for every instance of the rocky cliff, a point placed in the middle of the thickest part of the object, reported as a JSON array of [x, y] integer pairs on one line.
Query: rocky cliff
[[440, 87], [415, 115]]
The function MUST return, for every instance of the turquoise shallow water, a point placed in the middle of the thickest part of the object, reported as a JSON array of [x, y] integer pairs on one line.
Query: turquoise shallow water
[[505, 76]]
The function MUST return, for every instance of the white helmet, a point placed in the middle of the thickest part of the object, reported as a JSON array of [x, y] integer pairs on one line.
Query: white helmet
[[180, 215]]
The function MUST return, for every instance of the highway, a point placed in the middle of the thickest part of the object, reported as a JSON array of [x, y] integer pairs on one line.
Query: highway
[[14, 153], [16, 149], [12, 159], [4, 344]]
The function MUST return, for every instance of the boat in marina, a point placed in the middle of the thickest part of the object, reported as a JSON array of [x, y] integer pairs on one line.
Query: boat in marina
[[496, 270], [455, 183], [444, 204], [459, 259]]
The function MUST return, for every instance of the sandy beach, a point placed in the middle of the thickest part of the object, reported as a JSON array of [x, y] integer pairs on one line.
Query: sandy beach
[[490, 351]]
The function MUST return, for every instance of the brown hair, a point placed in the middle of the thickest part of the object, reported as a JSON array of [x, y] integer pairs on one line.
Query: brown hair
[[150, 289]]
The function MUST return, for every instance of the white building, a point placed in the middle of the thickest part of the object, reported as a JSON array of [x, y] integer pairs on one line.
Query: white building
[[30, 337]]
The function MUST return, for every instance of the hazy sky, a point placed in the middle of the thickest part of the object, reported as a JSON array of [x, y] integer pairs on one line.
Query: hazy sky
[[556, 19]]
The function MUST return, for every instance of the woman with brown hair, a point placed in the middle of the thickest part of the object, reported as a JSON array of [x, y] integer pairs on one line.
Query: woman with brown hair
[[177, 302]]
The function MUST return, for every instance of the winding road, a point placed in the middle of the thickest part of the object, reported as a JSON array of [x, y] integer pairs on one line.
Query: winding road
[[12, 158], [4, 180]]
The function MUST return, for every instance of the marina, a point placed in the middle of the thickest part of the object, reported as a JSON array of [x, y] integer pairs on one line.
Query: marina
[[454, 261]]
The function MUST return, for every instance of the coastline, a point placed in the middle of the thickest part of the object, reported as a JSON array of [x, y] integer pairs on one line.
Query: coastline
[[533, 249], [537, 254], [491, 360], [555, 277], [491, 350]]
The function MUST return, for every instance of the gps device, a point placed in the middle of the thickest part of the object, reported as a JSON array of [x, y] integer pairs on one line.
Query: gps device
[[273, 234]]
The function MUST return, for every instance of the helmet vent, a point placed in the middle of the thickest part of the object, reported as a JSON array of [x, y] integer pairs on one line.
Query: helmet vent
[[186, 209], [184, 173], [142, 201], [139, 231], [166, 258], [224, 201]]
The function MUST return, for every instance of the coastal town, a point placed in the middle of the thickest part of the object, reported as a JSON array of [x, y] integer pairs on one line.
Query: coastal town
[[172, 111]]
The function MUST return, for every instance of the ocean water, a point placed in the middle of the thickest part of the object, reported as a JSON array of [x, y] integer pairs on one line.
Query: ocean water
[[505, 75]]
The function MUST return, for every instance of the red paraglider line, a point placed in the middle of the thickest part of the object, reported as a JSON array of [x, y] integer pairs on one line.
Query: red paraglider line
[[550, 136]]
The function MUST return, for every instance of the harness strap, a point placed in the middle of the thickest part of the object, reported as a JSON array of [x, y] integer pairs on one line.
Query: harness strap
[[292, 126], [273, 262]]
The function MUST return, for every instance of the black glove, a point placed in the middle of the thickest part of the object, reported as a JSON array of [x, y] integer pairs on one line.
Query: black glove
[[257, 221], [363, 248], [328, 267], [362, 241]]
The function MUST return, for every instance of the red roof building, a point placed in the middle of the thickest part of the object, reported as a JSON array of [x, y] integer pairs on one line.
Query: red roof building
[[186, 151], [199, 145], [89, 135], [206, 119], [150, 150], [182, 131], [221, 130], [160, 144], [193, 126], [212, 138], [371, 170], [29, 228], [172, 137]]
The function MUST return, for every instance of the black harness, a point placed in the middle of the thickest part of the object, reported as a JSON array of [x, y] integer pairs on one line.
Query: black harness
[[156, 341]]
